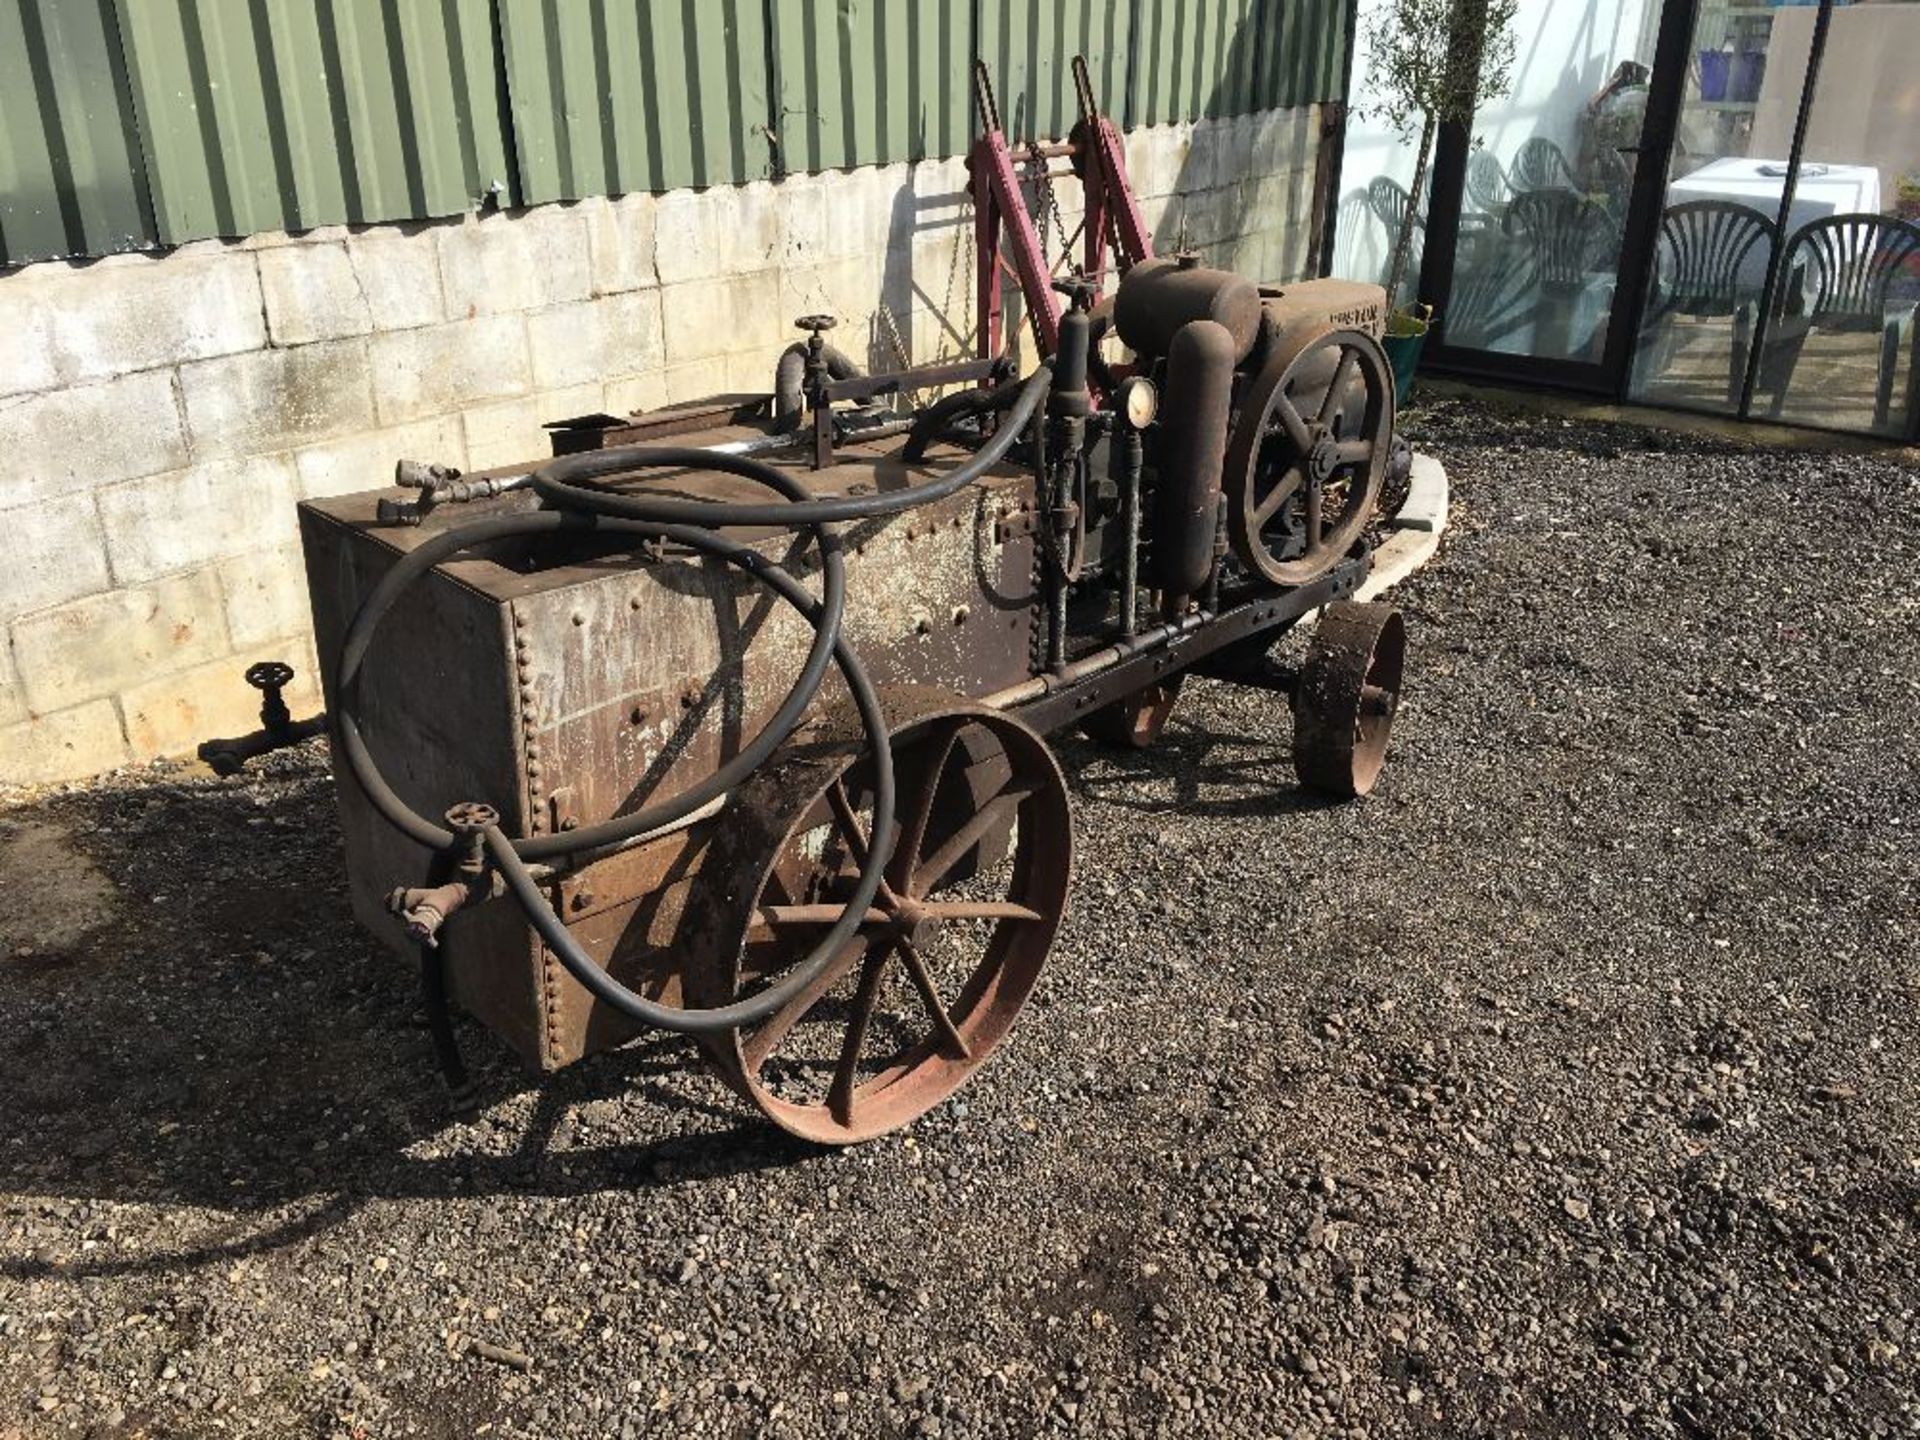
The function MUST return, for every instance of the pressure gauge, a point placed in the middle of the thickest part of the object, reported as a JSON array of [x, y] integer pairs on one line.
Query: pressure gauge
[[1138, 401]]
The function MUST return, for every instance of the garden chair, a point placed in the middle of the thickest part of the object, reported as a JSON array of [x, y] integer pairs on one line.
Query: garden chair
[[1388, 199], [1494, 298], [1703, 247], [1487, 183], [1852, 274], [1571, 237], [1541, 165]]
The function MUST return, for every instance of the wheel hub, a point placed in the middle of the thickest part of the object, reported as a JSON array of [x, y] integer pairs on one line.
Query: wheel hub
[[1323, 459]]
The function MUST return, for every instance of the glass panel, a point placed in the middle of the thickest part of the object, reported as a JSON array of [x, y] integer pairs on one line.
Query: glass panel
[[1548, 183], [1716, 230], [1844, 340]]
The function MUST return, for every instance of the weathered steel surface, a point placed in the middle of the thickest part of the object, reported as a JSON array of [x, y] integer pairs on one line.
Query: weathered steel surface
[[1215, 58], [1029, 46], [869, 82], [71, 182], [566, 686], [285, 115], [646, 95]]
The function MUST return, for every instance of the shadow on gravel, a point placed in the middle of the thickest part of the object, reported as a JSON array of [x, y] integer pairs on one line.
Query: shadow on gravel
[[220, 1035], [1206, 774]]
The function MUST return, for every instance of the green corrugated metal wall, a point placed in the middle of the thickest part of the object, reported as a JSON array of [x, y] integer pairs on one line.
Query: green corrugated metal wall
[[132, 123]]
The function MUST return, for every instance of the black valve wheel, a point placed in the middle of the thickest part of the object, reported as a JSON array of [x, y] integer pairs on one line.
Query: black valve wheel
[[268, 674], [1346, 698], [1308, 454]]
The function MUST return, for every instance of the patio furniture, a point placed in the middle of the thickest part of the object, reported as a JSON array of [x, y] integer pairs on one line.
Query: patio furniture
[[1487, 183], [1850, 274], [1821, 190], [1389, 201], [1573, 239], [1698, 260], [1494, 299], [1541, 165]]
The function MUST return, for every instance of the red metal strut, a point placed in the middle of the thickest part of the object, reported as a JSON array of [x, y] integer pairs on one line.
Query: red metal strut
[[1112, 215]]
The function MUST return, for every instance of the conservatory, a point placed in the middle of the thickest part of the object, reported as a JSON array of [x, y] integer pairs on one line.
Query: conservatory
[[1709, 205]]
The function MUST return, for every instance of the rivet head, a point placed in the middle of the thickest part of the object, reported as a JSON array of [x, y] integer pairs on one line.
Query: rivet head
[[579, 617], [639, 715], [960, 613]]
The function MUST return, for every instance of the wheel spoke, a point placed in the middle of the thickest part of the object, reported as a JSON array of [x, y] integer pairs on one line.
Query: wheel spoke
[[1314, 517], [1350, 452], [906, 848], [854, 832], [755, 1048], [927, 876], [825, 913], [840, 1096], [979, 910], [1287, 485], [1336, 392], [848, 819], [916, 967], [1296, 428]]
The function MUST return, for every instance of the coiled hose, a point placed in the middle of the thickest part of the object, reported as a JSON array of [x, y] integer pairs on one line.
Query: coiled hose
[[582, 506]]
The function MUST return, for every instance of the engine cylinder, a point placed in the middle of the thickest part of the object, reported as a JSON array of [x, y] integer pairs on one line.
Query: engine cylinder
[[1158, 297], [1192, 451]]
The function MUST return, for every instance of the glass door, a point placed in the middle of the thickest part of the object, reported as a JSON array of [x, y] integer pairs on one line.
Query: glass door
[[1548, 201]]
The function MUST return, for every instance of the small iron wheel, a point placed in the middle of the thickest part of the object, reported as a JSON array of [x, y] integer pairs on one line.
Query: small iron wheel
[[1344, 703], [930, 984], [1135, 722], [1308, 454]]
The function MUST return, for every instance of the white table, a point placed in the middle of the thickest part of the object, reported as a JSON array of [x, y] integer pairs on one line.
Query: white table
[[1822, 190]]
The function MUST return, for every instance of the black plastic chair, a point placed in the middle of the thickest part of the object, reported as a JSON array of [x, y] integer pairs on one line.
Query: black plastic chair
[[1841, 272], [1541, 165], [1702, 248]]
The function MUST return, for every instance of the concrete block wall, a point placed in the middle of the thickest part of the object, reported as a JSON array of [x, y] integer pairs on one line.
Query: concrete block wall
[[160, 416]]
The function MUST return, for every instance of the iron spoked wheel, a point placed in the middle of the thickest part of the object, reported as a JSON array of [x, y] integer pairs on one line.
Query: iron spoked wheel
[[1136, 721], [1309, 453], [1347, 696], [930, 984]]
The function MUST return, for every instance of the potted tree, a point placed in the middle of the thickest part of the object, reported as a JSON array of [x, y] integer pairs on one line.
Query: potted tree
[[1431, 62]]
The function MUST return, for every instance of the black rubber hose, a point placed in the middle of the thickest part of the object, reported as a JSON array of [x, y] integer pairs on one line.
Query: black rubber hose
[[566, 482], [933, 422], [718, 1018], [611, 832], [508, 854], [789, 377]]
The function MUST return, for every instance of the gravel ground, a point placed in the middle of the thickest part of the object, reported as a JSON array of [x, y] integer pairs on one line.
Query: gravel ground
[[1568, 1086]]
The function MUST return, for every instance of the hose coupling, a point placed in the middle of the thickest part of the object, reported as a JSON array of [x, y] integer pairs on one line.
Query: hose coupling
[[424, 911]]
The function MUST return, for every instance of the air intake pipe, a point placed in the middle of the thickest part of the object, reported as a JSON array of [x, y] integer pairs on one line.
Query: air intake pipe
[[1193, 445]]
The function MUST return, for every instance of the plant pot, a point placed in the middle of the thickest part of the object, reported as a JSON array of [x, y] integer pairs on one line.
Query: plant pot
[[1406, 336]]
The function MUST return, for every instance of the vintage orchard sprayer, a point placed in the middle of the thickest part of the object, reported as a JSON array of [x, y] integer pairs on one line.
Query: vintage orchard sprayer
[[728, 719]]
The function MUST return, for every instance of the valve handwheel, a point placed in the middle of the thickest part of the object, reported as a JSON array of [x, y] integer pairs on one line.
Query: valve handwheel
[[470, 817], [1308, 453], [949, 950], [814, 324], [268, 674]]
